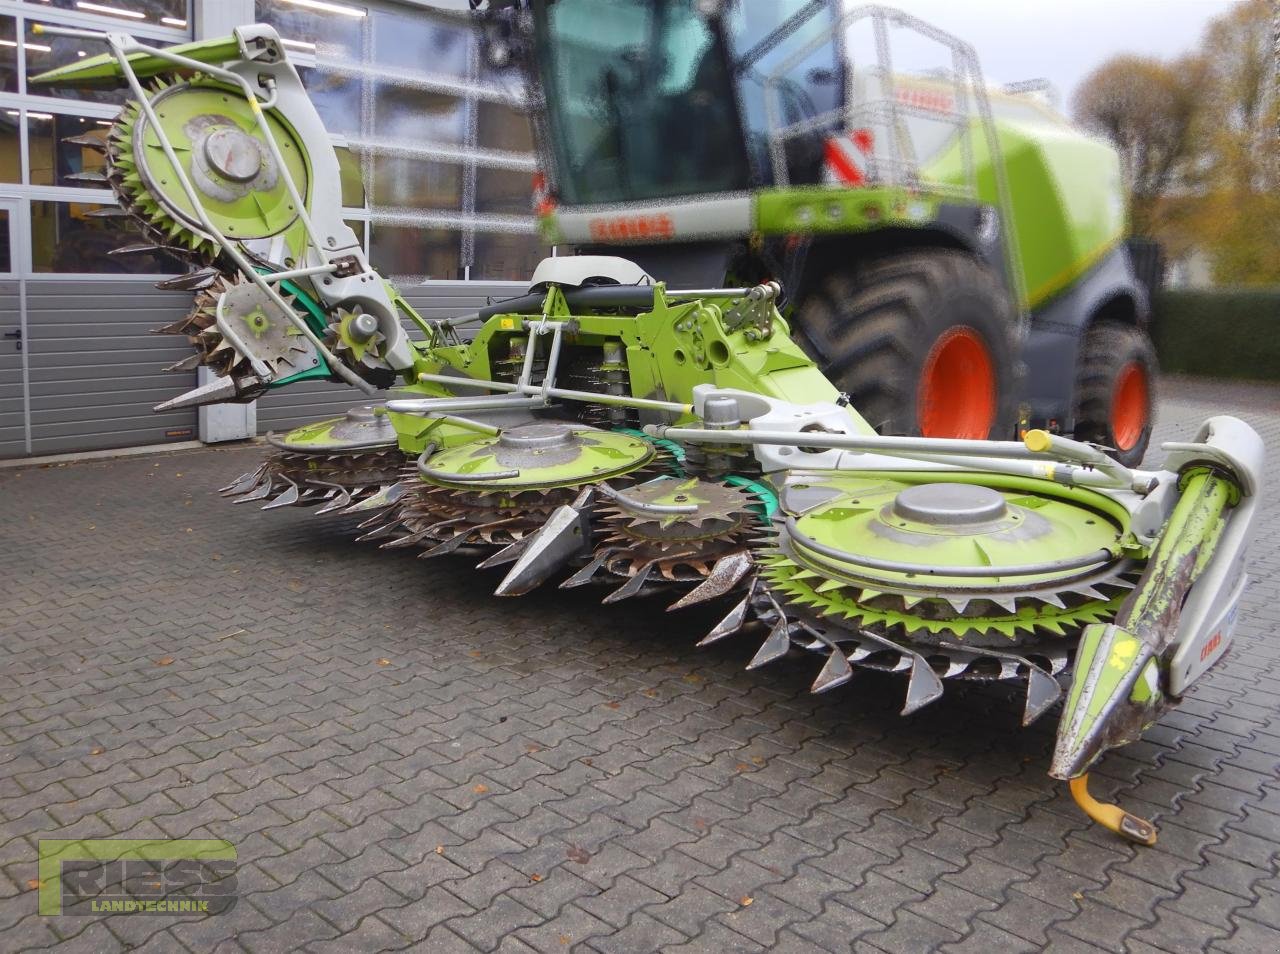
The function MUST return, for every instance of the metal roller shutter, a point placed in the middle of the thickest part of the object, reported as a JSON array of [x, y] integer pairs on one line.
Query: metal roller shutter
[[13, 429], [95, 370]]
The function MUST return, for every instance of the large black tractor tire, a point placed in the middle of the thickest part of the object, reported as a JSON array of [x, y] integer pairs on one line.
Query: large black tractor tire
[[922, 341], [1116, 390]]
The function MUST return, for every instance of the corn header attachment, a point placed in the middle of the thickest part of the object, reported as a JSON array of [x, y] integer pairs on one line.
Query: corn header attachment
[[604, 430]]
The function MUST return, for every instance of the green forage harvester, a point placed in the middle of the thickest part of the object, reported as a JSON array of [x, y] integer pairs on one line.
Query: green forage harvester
[[606, 429]]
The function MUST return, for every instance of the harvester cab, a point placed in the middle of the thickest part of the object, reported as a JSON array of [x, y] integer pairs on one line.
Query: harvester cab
[[646, 101], [611, 429], [952, 255]]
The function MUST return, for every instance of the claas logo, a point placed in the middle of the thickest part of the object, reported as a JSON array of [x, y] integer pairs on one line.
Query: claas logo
[[935, 101], [1214, 642], [632, 227]]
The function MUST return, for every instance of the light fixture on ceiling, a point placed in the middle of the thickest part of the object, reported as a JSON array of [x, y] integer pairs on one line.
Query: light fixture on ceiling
[[28, 46], [324, 6], [109, 11]]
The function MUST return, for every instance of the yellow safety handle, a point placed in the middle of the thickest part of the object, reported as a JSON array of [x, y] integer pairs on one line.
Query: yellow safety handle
[[1111, 817]]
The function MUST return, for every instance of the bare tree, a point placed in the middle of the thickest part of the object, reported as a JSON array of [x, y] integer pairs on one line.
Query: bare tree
[[1239, 219], [1240, 94], [1148, 109], [1199, 141]]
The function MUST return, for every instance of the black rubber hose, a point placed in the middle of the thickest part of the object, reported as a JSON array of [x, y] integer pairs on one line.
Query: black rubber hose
[[599, 296]]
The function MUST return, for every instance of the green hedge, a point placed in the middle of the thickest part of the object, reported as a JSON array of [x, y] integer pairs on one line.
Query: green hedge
[[1220, 333]]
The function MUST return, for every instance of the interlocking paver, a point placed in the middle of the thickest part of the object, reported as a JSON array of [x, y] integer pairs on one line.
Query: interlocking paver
[[546, 774]]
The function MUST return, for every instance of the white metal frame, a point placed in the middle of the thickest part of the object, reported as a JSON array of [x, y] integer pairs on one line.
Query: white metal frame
[[12, 204], [899, 170]]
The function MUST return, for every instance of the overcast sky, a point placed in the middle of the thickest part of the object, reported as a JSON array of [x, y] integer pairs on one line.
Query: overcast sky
[[1063, 40]]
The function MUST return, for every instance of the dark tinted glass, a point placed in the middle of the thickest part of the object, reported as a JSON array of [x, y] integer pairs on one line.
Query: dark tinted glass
[[170, 13], [52, 160], [65, 239], [413, 184], [501, 127], [500, 190], [6, 251], [410, 255], [10, 156], [626, 80], [503, 256]]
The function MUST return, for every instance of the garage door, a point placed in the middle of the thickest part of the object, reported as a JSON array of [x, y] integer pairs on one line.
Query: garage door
[[94, 368], [13, 400], [86, 371], [13, 392]]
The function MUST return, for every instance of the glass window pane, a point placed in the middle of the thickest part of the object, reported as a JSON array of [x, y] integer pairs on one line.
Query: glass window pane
[[809, 88], [356, 99], [625, 79], [65, 239], [505, 256], [352, 178], [411, 255], [357, 226], [171, 13], [501, 127], [333, 34], [336, 97], [501, 190], [401, 183], [10, 162], [9, 55], [6, 252], [420, 43], [327, 36], [52, 160], [414, 115]]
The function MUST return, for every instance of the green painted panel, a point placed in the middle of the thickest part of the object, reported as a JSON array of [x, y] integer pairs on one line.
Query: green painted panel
[[1067, 198]]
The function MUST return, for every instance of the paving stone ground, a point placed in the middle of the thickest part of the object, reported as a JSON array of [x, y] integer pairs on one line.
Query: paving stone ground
[[406, 762]]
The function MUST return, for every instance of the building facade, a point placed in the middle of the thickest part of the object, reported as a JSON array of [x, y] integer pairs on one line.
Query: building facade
[[437, 159]]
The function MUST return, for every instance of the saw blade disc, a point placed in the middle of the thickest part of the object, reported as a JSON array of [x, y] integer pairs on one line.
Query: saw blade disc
[[364, 428], [252, 317], [993, 565], [255, 320], [498, 512], [216, 139], [336, 480], [677, 546], [543, 454]]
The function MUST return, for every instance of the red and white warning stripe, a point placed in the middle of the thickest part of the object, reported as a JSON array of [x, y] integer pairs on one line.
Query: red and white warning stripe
[[848, 157], [543, 203]]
